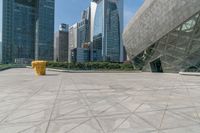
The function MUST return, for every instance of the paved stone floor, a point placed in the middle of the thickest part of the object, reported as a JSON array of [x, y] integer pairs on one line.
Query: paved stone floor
[[98, 103]]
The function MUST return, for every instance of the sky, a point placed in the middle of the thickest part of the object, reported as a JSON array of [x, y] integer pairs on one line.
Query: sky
[[69, 11]]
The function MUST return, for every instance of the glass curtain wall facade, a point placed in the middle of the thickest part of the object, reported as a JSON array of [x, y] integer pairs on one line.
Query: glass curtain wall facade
[[97, 11], [28, 30], [1, 22], [84, 28], [23, 27], [83, 32], [179, 50], [44, 29], [106, 30]]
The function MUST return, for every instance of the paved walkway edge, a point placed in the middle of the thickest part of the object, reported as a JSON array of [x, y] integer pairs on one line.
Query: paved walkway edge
[[189, 73], [86, 71]]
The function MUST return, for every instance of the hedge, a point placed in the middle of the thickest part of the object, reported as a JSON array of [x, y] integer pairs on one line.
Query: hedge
[[91, 66]]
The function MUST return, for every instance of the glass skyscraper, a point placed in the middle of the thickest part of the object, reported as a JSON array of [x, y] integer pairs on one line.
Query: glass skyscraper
[[28, 30], [84, 28], [1, 13], [106, 30]]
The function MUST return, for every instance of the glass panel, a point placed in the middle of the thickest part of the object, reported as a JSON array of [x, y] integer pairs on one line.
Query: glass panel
[[189, 25], [195, 46], [182, 42], [197, 30]]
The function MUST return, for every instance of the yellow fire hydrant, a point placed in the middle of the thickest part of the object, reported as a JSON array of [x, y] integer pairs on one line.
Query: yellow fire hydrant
[[39, 67]]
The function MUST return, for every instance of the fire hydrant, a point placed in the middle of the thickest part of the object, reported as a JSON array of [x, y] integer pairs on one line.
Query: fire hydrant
[[39, 67]]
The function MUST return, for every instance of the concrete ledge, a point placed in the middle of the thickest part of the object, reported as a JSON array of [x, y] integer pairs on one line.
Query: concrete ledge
[[190, 73], [57, 70], [6, 68], [91, 71], [11, 66]]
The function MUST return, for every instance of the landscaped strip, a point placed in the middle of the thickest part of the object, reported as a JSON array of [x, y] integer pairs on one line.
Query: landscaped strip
[[9, 66], [100, 66]]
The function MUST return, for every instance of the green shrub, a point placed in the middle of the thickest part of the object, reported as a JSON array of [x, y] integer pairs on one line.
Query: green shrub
[[91, 66]]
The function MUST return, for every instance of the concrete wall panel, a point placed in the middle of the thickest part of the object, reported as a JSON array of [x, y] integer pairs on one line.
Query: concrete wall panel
[[155, 19]]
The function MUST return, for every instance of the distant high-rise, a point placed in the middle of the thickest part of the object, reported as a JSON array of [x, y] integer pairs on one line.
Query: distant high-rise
[[28, 30], [80, 55], [83, 32], [1, 13], [106, 30], [0, 51], [73, 34], [79, 35], [61, 44], [84, 28], [86, 14]]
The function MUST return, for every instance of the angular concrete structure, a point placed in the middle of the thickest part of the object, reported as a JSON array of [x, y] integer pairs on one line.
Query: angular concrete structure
[[164, 36]]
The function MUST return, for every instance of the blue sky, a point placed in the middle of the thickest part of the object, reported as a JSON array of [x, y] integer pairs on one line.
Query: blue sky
[[69, 11]]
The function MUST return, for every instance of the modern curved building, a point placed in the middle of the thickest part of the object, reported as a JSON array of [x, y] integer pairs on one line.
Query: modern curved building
[[164, 36], [106, 30]]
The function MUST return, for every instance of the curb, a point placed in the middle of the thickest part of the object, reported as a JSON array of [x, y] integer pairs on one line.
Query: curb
[[89, 71], [189, 73]]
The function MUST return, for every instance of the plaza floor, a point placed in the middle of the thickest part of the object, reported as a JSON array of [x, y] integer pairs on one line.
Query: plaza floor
[[98, 102]]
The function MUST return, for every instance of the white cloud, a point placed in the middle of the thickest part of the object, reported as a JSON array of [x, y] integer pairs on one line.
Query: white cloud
[[128, 14]]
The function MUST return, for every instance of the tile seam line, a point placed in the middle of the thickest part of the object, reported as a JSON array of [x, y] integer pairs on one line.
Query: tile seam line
[[14, 110], [85, 101], [53, 108], [167, 106], [191, 100]]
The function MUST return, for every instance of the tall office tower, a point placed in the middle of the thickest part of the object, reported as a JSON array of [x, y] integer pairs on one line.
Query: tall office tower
[[61, 44], [0, 52], [84, 28], [86, 14], [79, 37], [28, 30], [1, 13], [106, 30], [73, 34]]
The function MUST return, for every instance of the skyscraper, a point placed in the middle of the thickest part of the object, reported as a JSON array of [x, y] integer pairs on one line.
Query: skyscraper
[[1, 13], [84, 28], [61, 43], [28, 30], [79, 36], [73, 34], [86, 14], [106, 30], [0, 51]]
